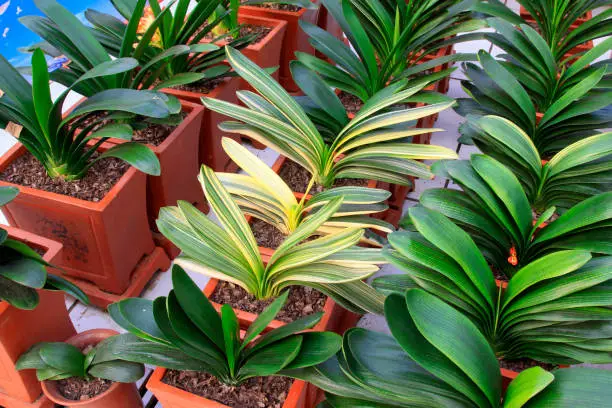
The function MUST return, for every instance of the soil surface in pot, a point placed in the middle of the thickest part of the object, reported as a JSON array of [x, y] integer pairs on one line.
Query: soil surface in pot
[[525, 363], [297, 178], [266, 235], [27, 171], [260, 32], [282, 7], [303, 301], [258, 392], [350, 102], [155, 134], [204, 87], [80, 389]]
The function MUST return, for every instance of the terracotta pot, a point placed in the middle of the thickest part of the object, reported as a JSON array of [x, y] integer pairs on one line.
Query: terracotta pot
[[21, 329], [179, 165], [267, 52], [172, 397], [295, 38], [211, 153], [108, 247], [124, 395]]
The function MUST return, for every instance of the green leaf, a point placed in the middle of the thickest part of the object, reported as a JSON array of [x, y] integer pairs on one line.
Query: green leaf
[[64, 357], [135, 154], [526, 385], [7, 194], [264, 318], [118, 371]]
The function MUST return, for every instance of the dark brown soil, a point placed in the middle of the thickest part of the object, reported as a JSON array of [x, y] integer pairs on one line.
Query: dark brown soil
[[79, 389], [91, 118], [352, 103], [155, 134], [266, 235], [283, 7], [100, 179], [260, 33], [297, 178], [303, 301], [204, 87], [258, 392], [499, 275], [523, 364]]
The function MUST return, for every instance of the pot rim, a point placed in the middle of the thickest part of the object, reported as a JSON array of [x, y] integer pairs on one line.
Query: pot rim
[[50, 390]]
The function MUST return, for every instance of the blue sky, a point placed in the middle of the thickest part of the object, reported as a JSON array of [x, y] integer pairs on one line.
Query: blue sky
[[14, 35]]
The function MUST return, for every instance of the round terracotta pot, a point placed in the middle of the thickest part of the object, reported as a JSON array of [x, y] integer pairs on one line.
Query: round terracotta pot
[[119, 395]]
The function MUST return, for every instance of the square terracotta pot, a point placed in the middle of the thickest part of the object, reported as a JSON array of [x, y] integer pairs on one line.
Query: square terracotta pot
[[21, 329], [108, 244], [172, 397], [179, 165], [210, 151], [295, 38], [267, 52]]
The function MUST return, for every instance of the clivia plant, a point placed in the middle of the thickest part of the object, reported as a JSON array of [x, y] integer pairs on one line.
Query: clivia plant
[[263, 194], [556, 21], [391, 39], [575, 173], [66, 147], [494, 209], [24, 270], [555, 309], [331, 264], [58, 361], [373, 145], [183, 331], [423, 365], [555, 104]]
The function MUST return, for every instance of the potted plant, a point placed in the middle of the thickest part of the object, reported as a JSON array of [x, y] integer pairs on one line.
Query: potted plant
[[174, 59], [321, 138], [526, 321], [292, 12], [557, 181], [32, 308], [423, 364], [557, 20], [331, 265], [80, 373], [388, 48], [509, 232], [263, 195], [70, 191], [184, 332], [554, 104]]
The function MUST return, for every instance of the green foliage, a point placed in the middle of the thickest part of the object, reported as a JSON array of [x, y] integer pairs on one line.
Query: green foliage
[[391, 40], [331, 264], [494, 209], [556, 20], [263, 194], [555, 309], [573, 98], [22, 269], [438, 358], [183, 331], [373, 145], [64, 146], [58, 361], [579, 171]]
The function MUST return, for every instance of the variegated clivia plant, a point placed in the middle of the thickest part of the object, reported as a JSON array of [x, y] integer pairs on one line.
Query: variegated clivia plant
[[263, 194], [331, 264], [375, 144]]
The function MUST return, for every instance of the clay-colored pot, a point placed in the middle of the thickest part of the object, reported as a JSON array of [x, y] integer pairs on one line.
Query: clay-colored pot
[[21, 329], [108, 246], [119, 395]]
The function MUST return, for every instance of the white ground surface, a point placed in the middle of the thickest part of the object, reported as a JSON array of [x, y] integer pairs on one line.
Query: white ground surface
[[89, 317]]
